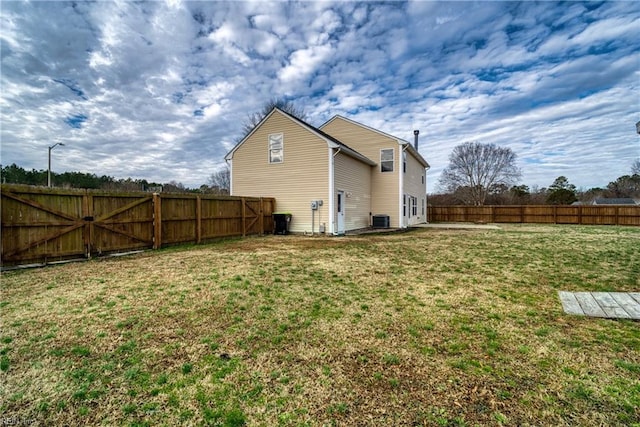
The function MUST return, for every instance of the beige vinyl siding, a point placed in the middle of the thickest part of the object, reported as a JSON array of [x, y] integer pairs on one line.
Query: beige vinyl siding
[[354, 178], [413, 186], [384, 186], [294, 183]]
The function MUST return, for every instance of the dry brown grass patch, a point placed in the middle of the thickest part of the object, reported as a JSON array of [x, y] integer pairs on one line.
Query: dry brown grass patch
[[432, 327]]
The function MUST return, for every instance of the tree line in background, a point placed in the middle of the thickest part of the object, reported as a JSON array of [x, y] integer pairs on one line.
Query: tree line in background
[[485, 174], [217, 183]]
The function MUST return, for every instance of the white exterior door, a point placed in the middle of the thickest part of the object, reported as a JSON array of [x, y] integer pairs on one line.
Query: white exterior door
[[340, 212]]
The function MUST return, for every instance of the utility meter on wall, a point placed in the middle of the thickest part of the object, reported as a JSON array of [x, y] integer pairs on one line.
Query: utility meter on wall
[[314, 205]]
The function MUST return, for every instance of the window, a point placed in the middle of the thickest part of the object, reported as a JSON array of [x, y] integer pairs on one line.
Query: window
[[386, 160], [276, 148], [422, 207], [410, 206], [404, 205], [423, 179], [404, 161]]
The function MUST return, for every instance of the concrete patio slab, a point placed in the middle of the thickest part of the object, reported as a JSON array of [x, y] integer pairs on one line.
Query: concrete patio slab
[[610, 305]]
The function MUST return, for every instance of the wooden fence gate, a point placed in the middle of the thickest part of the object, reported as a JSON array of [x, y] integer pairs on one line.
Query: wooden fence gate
[[41, 225]]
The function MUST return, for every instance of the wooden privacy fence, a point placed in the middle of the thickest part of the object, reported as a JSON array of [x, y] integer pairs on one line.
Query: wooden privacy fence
[[40, 225], [545, 214]]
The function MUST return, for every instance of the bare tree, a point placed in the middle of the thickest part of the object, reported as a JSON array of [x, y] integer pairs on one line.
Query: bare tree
[[220, 181], [635, 167], [174, 187], [538, 195], [255, 118], [477, 168]]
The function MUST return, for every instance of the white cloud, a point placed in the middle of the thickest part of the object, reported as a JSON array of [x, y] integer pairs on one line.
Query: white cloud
[[303, 62], [165, 86], [609, 29]]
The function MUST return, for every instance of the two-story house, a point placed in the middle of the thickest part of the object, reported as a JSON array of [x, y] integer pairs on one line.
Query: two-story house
[[331, 179]]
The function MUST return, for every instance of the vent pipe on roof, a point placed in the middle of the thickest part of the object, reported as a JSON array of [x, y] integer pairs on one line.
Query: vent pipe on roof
[[415, 138]]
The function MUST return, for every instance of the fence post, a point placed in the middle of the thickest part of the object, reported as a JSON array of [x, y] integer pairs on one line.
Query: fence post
[[87, 213], [261, 213], [617, 215], [198, 219], [157, 221], [244, 217], [555, 214], [580, 215]]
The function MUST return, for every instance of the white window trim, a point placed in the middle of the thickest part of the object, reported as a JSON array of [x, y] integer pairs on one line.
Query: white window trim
[[281, 135], [393, 160]]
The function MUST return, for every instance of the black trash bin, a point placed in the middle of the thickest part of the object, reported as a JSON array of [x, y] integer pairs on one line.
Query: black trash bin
[[281, 222]]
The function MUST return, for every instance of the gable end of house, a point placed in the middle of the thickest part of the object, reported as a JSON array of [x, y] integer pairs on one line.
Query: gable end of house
[[330, 140], [403, 143]]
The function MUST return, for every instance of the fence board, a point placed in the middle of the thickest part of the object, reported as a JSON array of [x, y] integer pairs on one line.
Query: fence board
[[543, 214], [40, 225]]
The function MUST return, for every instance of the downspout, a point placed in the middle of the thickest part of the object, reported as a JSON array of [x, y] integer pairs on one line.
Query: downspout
[[332, 188], [426, 197], [416, 133], [401, 186], [332, 216]]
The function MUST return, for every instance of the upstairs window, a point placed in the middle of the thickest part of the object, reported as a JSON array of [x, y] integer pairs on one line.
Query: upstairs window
[[386, 160], [404, 161], [276, 148]]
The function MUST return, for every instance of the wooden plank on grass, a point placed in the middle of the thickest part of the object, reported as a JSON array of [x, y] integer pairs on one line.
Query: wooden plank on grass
[[570, 304], [609, 305], [629, 304], [589, 305]]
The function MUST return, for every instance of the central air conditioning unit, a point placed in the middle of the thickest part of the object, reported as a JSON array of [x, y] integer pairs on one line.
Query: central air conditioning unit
[[381, 221]]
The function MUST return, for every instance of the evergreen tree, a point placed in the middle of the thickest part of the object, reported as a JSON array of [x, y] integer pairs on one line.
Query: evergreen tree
[[561, 192]]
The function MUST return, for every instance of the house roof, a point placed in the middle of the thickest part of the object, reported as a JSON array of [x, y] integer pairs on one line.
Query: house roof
[[614, 201], [331, 141], [401, 141]]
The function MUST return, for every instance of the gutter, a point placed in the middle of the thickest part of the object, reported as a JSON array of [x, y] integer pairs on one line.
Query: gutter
[[401, 206], [351, 153], [332, 184]]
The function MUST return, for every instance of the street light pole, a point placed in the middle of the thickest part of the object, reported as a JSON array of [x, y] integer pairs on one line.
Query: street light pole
[[49, 169]]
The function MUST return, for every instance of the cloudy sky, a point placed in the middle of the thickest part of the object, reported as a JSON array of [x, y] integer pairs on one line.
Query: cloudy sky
[[159, 90]]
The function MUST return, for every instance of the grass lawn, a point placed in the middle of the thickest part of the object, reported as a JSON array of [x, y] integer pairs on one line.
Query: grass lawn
[[428, 327]]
